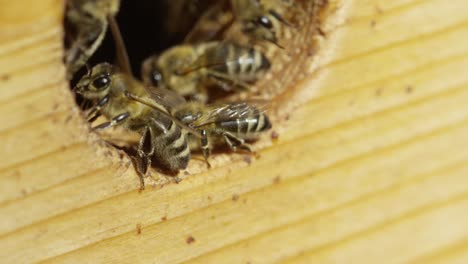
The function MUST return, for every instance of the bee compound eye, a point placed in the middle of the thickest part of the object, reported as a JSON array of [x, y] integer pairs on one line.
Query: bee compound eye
[[101, 82], [156, 78], [264, 21]]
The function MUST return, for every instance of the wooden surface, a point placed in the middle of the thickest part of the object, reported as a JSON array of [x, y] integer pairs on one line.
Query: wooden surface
[[372, 169]]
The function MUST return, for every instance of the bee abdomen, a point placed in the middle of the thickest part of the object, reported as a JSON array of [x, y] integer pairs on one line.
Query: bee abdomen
[[260, 61], [249, 63], [247, 127], [171, 147], [241, 62], [263, 123]]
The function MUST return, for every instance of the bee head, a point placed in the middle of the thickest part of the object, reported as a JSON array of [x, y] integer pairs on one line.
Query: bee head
[[261, 26], [97, 82], [152, 73], [264, 26]]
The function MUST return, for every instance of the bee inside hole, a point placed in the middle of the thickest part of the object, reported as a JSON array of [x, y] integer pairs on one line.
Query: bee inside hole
[[147, 28], [169, 126], [142, 24]]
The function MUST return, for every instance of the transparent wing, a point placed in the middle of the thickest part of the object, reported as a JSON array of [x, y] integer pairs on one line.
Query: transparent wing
[[120, 49], [151, 102], [166, 97], [229, 112], [208, 56]]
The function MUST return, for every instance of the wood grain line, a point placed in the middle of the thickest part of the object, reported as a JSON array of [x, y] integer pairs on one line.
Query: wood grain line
[[421, 38], [454, 251], [128, 237], [343, 125], [256, 245], [321, 253]]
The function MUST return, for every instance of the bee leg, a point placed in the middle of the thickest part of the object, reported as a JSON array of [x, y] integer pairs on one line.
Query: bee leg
[[274, 41], [115, 121], [201, 96], [143, 160], [234, 143], [280, 18], [93, 118], [94, 112], [87, 42], [227, 82], [146, 148], [141, 169], [206, 150]]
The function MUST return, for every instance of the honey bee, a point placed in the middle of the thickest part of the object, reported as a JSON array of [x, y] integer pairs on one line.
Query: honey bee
[[257, 19], [190, 70], [261, 19], [128, 103], [87, 22], [165, 121], [232, 124]]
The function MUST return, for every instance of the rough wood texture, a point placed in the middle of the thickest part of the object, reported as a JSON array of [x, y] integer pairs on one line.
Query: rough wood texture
[[373, 169]]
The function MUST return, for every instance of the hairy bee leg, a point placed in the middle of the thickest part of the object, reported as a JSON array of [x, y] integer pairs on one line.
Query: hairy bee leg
[[77, 56], [143, 160], [275, 42], [280, 18], [94, 117], [206, 150], [227, 81], [199, 97], [115, 121], [144, 140], [74, 58], [141, 169], [235, 142], [95, 110]]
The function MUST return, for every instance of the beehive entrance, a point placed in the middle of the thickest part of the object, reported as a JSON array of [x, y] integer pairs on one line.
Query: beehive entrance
[[148, 28], [145, 28]]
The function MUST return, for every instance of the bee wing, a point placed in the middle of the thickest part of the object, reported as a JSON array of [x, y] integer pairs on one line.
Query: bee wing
[[208, 57], [228, 112], [242, 109], [121, 51], [166, 97], [155, 105]]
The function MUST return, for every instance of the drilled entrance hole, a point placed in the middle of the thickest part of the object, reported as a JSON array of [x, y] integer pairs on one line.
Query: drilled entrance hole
[[148, 28], [145, 26]]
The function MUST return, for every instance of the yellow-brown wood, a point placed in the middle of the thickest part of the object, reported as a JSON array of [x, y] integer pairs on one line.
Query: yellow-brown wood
[[371, 169]]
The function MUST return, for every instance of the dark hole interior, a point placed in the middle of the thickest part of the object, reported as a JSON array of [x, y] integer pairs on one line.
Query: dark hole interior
[[142, 25]]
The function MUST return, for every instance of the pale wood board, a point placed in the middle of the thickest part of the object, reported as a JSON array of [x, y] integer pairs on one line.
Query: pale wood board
[[370, 168]]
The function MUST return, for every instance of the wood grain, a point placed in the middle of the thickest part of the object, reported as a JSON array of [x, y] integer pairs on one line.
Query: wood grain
[[370, 167]]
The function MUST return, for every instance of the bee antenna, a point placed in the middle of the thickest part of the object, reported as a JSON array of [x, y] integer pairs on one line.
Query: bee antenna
[[274, 42], [280, 18], [88, 70]]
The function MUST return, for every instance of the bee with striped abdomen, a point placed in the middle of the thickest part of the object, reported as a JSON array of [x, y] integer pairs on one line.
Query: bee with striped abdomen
[[230, 124], [128, 103], [190, 70]]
